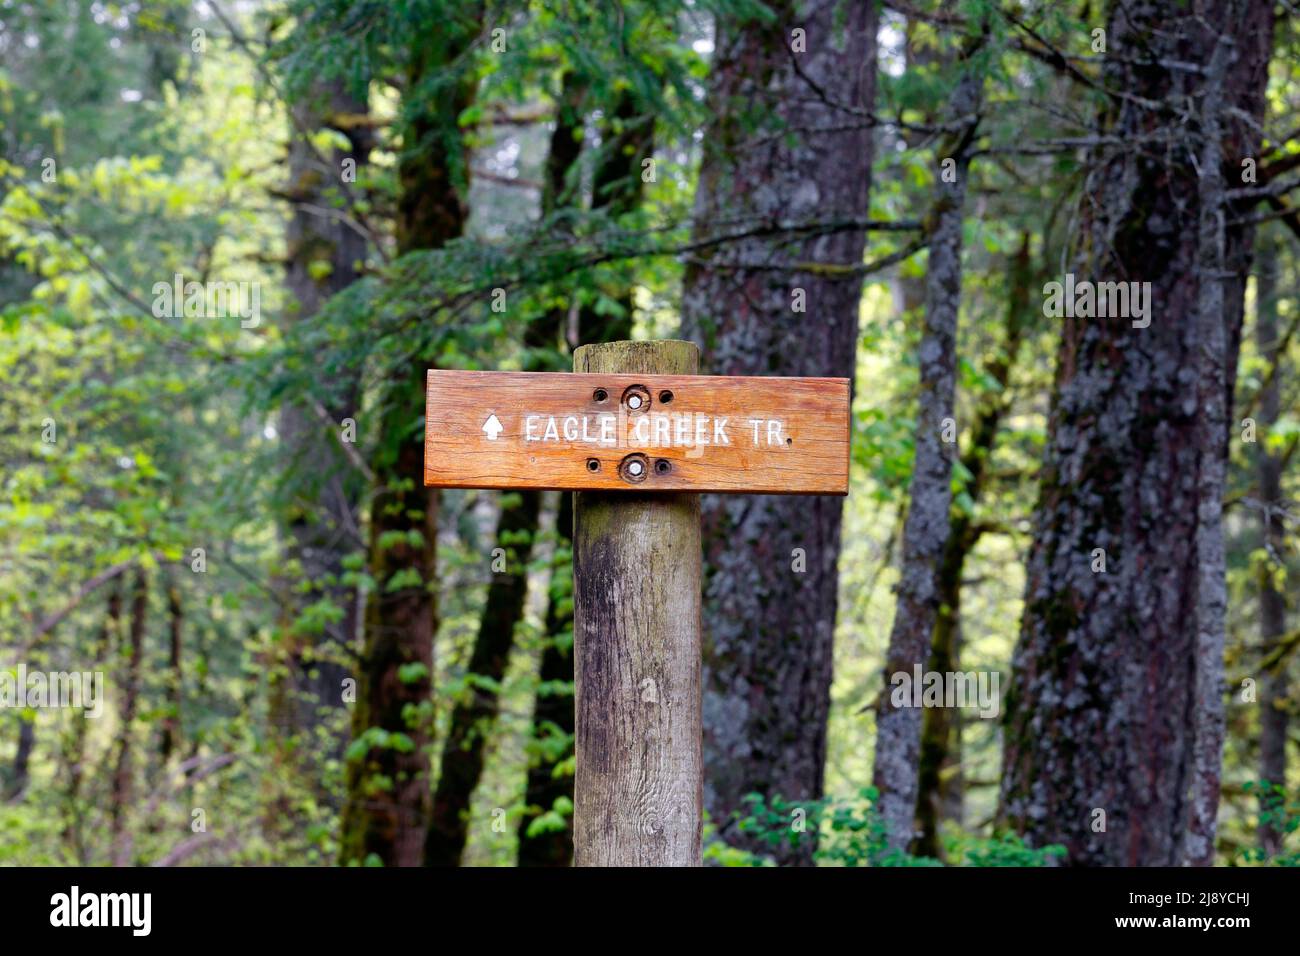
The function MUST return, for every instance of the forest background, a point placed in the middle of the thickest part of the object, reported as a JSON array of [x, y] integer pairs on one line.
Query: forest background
[[235, 234]]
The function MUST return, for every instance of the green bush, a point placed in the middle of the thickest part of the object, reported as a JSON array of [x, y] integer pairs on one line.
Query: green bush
[[849, 832]]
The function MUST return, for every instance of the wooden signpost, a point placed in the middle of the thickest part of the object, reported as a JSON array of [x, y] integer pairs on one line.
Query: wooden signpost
[[639, 435], [620, 432]]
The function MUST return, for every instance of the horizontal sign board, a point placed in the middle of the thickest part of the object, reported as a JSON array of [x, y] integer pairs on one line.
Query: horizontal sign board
[[594, 432]]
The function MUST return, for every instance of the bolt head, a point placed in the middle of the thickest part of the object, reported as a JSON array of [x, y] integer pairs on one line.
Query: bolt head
[[634, 467], [634, 401]]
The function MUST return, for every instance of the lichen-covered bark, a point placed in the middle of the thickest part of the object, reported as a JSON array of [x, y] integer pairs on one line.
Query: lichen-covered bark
[[1111, 667], [939, 731], [791, 143], [898, 729], [1211, 587], [636, 579]]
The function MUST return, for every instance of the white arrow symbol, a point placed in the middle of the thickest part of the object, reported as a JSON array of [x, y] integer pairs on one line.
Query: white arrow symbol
[[493, 427]]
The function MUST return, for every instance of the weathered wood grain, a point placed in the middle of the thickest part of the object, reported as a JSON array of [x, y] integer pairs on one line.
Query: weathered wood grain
[[638, 788], [575, 432]]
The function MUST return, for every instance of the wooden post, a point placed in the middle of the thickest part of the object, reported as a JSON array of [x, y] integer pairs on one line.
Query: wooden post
[[636, 583]]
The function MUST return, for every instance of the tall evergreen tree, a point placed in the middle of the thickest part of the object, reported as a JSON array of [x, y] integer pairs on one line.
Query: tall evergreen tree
[[1118, 672], [790, 143], [387, 811], [326, 251], [898, 728]]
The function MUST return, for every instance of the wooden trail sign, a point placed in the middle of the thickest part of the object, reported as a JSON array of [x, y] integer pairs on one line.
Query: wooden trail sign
[[637, 432]]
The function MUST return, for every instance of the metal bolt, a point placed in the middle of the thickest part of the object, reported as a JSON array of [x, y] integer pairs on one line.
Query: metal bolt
[[634, 468], [634, 401]]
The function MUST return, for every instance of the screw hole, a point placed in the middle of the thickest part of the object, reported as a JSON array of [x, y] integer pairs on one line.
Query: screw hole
[[593, 464], [600, 395], [663, 466], [665, 397], [789, 441]]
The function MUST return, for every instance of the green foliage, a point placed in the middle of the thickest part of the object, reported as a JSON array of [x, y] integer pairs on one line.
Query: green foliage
[[169, 427], [1278, 812], [849, 832]]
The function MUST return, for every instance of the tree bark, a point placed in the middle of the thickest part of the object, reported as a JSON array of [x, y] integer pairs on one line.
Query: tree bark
[[306, 667], [768, 655], [1211, 439], [386, 816], [461, 764], [1104, 751], [75, 750], [1275, 689], [553, 715], [19, 772], [938, 724], [171, 724], [898, 729], [120, 798], [636, 577]]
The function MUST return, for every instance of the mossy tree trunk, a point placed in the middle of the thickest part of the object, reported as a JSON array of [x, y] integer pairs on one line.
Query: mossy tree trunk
[[1110, 719], [386, 816]]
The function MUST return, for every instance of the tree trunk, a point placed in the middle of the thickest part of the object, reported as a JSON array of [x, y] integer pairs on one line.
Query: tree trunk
[[171, 724], [1116, 690], [938, 724], [19, 772], [553, 713], [473, 717], [461, 765], [898, 728], [1211, 440], [636, 579], [75, 751], [386, 816], [121, 796], [320, 527], [768, 654], [1275, 691]]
